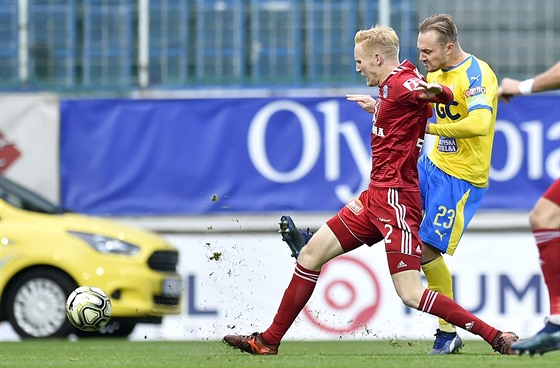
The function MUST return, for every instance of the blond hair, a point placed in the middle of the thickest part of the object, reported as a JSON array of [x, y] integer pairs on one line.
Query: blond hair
[[442, 24], [381, 39]]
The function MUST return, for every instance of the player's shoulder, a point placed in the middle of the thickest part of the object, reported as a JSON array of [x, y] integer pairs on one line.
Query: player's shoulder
[[406, 67], [471, 71], [481, 64], [473, 66], [480, 69], [476, 59], [404, 72]]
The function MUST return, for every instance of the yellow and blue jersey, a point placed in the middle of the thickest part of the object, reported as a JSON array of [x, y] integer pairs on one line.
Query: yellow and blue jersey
[[466, 154]]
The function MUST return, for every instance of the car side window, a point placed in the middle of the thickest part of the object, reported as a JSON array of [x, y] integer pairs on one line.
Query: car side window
[[11, 199]]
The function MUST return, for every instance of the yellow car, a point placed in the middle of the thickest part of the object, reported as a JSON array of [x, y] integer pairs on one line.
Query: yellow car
[[45, 253]]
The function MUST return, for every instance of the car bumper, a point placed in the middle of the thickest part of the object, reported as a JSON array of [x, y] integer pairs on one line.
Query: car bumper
[[139, 294]]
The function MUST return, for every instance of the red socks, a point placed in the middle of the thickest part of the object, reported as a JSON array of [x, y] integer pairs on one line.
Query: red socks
[[295, 297], [444, 307], [548, 241]]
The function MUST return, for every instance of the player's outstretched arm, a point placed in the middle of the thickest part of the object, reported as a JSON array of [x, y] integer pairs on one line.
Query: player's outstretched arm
[[546, 81], [434, 92], [366, 102]]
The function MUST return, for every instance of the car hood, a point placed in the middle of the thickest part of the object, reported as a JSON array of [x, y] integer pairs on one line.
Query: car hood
[[111, 228]]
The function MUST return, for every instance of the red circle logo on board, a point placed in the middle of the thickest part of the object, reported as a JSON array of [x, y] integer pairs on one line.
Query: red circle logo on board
[[346, 297]]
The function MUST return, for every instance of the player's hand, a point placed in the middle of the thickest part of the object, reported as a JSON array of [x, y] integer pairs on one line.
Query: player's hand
[[428, 90], [504, 96], [366, 102], [508, 89]]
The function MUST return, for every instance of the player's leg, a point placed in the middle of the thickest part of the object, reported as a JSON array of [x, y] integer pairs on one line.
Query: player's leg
[[321, 249], [340, 234], [545, 224], [447, 340], [294, 237], [409, 288], [449, 205], [401, 215], [434, 267]]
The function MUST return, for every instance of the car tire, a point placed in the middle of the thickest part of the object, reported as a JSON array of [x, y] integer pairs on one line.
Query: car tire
[[36, 303]]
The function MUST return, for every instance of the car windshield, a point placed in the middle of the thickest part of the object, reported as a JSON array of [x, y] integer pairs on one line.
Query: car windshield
[[23, 198]]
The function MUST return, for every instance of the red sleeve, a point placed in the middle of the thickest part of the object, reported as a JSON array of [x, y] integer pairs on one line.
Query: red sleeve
[[430, 112], [406, 91], [446, 96]]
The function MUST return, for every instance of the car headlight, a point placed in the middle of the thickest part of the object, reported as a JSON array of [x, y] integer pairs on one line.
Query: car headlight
[[106, 244]]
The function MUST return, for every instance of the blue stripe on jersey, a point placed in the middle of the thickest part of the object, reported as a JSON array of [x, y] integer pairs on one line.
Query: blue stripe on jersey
[[489, 108], [474, 73]]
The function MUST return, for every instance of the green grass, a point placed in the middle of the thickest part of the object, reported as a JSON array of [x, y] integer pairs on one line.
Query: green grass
[[321, 354]]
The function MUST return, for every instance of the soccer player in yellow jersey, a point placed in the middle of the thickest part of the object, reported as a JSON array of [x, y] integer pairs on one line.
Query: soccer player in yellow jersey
[[454, 175]]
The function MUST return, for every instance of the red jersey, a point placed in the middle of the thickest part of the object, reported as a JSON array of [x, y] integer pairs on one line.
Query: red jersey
[[399, 122]]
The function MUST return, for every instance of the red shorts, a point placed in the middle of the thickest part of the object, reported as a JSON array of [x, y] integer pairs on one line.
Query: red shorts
[[383, 214], [553, 192]]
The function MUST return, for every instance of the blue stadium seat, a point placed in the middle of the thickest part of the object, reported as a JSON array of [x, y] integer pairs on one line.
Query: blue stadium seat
[[52, 41], [220, 42], [169, 40], [108, 45], [9, 44]]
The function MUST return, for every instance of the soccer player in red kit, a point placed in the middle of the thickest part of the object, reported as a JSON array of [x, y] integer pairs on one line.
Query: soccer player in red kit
[[545, 223], [389, 210]]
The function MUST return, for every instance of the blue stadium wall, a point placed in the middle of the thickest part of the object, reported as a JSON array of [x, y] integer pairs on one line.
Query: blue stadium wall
[[204, 156]]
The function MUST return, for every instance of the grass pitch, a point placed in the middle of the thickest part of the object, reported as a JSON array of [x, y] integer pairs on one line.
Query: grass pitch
[[206, 354]]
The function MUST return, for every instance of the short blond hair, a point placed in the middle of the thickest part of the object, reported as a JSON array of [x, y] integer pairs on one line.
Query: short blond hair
[[381, 39], [442, 24]]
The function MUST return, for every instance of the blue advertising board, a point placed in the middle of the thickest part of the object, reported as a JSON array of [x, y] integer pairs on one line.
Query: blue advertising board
[[526, 152], [202, 156]]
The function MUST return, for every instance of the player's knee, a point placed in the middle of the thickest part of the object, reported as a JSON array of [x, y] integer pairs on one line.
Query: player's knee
[[312, 258], [534, 219], [309, 259], [538, 219], [545, 215]]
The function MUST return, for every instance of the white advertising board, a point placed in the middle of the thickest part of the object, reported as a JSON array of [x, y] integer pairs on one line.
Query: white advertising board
[[29, 141], [234, 283]]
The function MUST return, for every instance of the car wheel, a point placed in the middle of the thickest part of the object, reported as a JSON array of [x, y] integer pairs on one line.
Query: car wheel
[[36, 304]]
